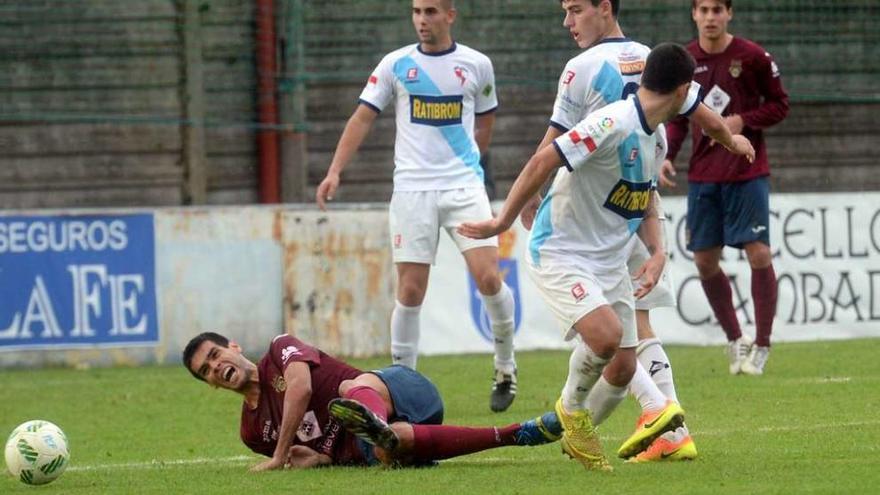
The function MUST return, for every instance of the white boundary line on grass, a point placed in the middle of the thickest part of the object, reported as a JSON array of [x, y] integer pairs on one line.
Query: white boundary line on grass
[[244, 459], [156, 463]]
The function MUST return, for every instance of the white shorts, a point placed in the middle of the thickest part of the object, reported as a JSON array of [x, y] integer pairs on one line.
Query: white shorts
[[572, 292], [663, 294], [415, 218]]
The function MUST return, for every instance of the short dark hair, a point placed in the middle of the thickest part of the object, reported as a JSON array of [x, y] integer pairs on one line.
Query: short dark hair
[[615, 5], [195, 343], [727, 3], [668, 66]]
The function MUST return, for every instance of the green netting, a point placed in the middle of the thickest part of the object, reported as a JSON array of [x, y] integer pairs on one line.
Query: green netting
[[123, 60], [827, 51]]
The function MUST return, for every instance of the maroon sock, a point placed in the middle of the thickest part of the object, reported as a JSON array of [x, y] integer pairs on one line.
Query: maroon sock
[[436, 442], [370, 399], [764, 295], [720, 296]]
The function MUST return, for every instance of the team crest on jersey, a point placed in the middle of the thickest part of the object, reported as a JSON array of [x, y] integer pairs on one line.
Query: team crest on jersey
[[412, 74], [736, 68], [629, 199], [461, 73], [569, 76], [631, 159], [279, 384], [437, 111]]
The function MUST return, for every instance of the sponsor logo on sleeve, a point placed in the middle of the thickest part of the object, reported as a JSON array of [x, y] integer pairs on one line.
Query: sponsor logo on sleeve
[[487, 90], [437, 111], [289, 352], [373, 79], [774, 68], [629, 199], [588, 142]]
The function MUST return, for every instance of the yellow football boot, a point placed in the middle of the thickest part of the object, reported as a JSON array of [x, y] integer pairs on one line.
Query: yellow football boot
[[666, 450], [650, 426], [580, 439]]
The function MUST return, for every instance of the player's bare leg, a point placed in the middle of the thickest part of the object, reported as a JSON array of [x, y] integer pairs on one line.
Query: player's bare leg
[[412, 283], [498, 300]]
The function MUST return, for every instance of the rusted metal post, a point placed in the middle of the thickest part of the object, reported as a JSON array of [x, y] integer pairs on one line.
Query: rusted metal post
[[267, 107]]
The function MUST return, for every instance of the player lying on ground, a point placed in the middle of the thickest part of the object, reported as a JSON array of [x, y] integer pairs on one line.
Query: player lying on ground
[[303, 408]]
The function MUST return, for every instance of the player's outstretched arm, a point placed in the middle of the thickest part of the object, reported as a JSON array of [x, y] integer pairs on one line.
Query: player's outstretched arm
[[298, 380], [356, 130], [530, 210], [527, 184]]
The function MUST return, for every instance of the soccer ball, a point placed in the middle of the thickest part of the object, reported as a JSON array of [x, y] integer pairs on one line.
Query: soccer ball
[[36, 452]]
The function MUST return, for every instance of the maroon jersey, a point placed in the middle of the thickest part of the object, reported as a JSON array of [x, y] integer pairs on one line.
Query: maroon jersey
[[742, 80], [318, 431]]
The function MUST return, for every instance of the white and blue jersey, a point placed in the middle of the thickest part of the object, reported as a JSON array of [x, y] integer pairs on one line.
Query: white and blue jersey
[[607, 72], [612, 159], [437, 96]]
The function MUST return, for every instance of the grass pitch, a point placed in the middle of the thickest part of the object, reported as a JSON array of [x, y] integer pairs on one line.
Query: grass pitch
[[808, 426]]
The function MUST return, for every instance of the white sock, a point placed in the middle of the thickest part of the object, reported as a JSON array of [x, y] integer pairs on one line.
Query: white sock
[[584, 369], [603, 399], [646, 392], [655, 361], [500, 310], [405, 334]]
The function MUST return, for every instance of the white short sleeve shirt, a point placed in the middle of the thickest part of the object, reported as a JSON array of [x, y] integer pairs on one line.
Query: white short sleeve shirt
[[592, 209], [436, 98]]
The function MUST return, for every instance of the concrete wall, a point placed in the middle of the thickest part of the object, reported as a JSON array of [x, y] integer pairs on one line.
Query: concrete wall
[[252, 273]]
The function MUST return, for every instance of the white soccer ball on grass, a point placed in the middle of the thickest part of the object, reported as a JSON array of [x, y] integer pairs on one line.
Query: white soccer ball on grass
[[36, 452]]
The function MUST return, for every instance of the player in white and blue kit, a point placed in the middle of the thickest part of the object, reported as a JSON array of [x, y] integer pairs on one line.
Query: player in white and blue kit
[[608, 70], [444, 98], [577, 246]]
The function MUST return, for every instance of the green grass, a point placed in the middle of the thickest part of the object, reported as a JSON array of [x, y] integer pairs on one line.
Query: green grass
[[806, 427]]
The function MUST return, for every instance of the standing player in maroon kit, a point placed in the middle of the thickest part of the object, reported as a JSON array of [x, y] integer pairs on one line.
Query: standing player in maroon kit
[[303, 408], [728, 197]]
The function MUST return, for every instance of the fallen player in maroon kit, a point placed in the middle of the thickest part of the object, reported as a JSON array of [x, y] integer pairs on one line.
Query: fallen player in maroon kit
[[303, 408]]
